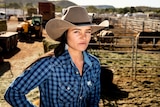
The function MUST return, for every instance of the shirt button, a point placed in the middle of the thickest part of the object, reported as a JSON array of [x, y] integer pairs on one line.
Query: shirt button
[[68, 88], [77, 72], [80, 97]]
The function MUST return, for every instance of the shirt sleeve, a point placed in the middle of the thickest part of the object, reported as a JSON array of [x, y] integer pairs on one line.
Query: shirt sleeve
[[28, 80], [95, 93]]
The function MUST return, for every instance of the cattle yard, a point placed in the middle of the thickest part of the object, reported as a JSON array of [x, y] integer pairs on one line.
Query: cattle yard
[[135, 46], [133, 56], [135, 69]]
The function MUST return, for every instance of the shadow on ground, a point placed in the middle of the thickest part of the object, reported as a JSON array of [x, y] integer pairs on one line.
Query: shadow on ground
[[4, 67], [110, 92], [7, 55]]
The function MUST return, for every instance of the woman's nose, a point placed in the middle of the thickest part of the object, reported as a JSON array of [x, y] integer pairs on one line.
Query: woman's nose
[[83, 35]]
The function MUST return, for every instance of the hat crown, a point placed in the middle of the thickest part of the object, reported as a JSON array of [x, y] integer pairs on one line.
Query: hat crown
[[76, 14], [72, 16]]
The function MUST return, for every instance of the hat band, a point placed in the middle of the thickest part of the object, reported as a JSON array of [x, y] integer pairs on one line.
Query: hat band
[[82, 23]]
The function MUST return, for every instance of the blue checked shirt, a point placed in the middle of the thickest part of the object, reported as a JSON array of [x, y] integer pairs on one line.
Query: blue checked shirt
[[59, 82]]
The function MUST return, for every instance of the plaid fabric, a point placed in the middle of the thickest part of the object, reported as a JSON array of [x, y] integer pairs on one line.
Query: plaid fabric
[[59, 82]]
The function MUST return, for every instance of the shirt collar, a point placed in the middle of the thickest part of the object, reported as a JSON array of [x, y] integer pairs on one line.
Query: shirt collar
[[86, 58], [68, 59]]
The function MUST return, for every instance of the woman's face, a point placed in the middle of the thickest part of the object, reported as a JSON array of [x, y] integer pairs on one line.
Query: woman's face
[[78, 38]]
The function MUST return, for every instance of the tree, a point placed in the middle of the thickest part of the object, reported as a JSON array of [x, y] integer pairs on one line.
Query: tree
[[158, 10], [29, 5], [126, 10], [13, 5], [133, 10], [120, 10], [58, 9], [92, 9]]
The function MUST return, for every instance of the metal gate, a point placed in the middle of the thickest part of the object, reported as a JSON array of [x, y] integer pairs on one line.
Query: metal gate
[[124, 55]]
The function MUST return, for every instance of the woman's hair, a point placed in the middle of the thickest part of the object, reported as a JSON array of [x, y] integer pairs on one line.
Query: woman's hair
[[61, 47]]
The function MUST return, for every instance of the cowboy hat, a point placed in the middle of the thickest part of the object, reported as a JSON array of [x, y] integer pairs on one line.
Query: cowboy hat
[[73, 16]]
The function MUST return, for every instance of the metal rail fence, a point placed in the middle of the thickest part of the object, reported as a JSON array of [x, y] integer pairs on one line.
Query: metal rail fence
[[140, 24], [147, 57], [125, 55]]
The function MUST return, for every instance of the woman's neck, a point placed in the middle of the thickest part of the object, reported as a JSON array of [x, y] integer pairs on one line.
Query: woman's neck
[[77, 56]]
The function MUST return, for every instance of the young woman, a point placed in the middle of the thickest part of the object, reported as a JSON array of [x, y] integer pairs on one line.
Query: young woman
[[69, 76]]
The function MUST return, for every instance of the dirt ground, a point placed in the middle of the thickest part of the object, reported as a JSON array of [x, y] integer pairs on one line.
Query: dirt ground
[[142, 92], [16, 60]]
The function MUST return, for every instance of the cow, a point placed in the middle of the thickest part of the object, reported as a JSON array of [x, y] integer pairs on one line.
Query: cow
[[102, 39], [147, 38], [106, 39], [102, 36]]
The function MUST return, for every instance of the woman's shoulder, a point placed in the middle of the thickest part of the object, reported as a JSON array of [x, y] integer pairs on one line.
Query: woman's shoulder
[[93, 58]]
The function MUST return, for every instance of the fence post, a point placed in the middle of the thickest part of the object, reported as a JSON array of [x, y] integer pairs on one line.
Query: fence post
[[143, 25]]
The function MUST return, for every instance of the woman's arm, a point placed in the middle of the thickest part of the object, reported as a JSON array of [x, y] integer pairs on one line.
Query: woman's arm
[[16, 98], [31, 78]]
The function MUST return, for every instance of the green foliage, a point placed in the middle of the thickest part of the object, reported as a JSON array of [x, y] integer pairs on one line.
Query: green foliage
[[29, 5], [13, 5], [158, 11], [133, 10], [58, 9], [123, 10], [92, 9]]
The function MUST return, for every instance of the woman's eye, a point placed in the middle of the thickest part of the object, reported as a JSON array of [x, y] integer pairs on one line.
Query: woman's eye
[[79, 32], [88, 32], [76, 31]]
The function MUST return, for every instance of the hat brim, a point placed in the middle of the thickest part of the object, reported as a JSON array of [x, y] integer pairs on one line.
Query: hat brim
[[56, 27]]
